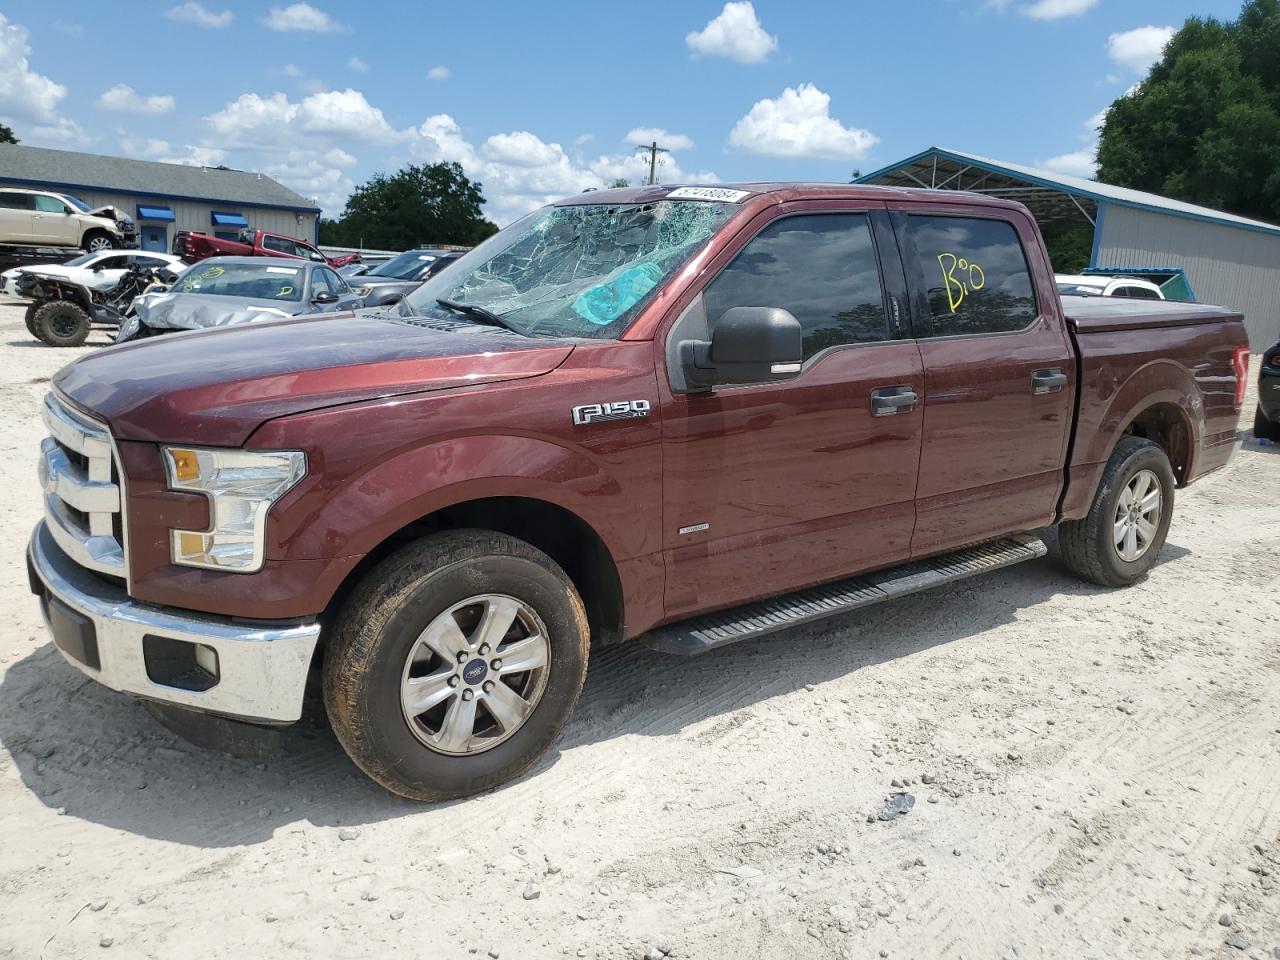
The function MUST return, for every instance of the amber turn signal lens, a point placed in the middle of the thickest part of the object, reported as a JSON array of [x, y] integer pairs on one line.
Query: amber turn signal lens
[[185, 465]]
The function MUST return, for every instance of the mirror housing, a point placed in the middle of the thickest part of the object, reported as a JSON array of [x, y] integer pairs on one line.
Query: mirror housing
[[325, 296], [747, 345]]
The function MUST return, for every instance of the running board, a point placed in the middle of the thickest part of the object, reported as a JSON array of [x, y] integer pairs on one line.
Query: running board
[[691, 637]]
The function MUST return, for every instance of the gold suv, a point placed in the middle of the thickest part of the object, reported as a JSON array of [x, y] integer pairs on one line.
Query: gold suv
[[42, 218]]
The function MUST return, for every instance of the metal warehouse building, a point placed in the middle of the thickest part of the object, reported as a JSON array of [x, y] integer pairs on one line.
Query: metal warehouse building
[[164, 197], [1227, 260]]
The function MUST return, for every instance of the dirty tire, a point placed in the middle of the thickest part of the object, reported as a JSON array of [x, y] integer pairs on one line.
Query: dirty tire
[[28, 315], [1088, 547], [60, 323], [379, 625], [1264, 428]]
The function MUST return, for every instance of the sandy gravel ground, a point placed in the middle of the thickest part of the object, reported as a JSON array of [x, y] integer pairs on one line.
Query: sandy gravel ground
[[1096, 775]]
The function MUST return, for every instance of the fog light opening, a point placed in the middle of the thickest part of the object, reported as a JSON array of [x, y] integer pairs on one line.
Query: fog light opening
[[180, 663]]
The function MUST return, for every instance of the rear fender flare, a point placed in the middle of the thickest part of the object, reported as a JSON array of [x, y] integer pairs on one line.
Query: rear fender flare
[[1158, 382]]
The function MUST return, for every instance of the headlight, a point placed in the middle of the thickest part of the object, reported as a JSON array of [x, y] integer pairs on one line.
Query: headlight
[[241, 486], [363, 291]]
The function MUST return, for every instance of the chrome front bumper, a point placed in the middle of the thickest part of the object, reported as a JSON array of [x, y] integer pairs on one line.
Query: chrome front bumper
[[259, 672]]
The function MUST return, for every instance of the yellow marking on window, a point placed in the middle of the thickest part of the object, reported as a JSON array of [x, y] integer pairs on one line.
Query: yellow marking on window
[[971, 279]]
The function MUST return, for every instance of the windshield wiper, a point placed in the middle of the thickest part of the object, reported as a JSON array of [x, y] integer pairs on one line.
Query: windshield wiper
[[476, 313]]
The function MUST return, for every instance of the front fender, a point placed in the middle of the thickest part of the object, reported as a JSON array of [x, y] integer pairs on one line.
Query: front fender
[[325, 520]]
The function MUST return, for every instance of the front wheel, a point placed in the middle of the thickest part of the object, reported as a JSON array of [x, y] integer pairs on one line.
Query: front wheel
[[60, 323], [455, 663], [96, 242], [1126, 527]]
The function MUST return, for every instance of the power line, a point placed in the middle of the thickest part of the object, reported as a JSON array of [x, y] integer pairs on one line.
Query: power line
[[653, 150]]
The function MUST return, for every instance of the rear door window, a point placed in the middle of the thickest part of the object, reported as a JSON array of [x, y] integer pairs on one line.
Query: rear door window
[[975, 275], [279, 245], [16, 201], [820, 267]]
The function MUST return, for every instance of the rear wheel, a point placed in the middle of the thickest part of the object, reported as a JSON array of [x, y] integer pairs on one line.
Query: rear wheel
[[1128, 521], [60, 323], [455, 663], [1264, 427]]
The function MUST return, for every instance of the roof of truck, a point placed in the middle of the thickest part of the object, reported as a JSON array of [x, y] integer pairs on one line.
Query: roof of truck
[[780, 192]]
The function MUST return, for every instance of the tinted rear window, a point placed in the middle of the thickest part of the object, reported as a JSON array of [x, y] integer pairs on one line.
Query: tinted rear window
[[975, 275]]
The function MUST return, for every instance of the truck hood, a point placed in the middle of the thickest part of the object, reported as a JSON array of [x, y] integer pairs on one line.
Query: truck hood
[[215, 387]]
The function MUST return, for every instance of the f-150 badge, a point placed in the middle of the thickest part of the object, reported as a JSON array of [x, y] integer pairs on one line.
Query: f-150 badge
[[616, 410]]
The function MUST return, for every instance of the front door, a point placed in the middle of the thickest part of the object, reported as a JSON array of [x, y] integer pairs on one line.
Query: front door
[[155, 238], [999, 375], [51, 223], [776, 486]]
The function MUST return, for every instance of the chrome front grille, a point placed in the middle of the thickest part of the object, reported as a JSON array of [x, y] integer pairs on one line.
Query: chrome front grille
[[82, 491]]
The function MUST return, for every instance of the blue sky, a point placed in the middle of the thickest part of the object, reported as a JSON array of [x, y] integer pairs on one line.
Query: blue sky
[[540, 100]]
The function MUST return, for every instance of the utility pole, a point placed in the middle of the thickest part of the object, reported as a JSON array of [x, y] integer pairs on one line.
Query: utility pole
[[653, 151]]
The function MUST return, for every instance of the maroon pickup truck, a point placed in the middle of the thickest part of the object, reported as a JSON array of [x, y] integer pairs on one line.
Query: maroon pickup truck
[[194, 247], [690, 415]]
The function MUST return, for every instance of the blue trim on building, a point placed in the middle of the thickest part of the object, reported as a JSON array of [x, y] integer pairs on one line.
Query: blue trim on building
[[56, 187], [222, 219], [1098, 222], [148, 212], [1058, 185]]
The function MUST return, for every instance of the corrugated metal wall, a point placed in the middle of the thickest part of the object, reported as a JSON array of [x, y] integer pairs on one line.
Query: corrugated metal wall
[[1234, 268], [195, 216]]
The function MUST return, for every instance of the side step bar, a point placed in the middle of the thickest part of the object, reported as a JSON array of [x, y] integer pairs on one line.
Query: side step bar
[[700, 634]]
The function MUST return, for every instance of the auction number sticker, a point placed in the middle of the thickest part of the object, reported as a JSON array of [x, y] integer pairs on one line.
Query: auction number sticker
[[291, 271], [723, 194]]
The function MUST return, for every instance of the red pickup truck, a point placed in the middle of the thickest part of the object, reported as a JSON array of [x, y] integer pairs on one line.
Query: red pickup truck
[[194, 247], [690, 415]]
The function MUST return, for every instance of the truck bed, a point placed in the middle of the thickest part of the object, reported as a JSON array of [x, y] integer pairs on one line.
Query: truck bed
[[1101, 314]]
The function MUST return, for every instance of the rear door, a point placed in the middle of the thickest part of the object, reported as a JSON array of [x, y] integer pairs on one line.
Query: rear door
[[15, 217], [775, 486], [999, 371]]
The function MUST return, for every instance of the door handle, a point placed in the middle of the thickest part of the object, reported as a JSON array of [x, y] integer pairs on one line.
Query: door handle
[[1048, 381], [888, 401]]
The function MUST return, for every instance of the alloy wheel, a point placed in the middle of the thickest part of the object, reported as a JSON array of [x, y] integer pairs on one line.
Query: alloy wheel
[[1137, 516]]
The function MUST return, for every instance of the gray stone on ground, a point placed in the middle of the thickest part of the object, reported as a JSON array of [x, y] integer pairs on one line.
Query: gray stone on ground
[[532, 892]]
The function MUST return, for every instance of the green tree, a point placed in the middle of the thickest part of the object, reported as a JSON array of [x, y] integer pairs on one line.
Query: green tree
[[6, 135], [1204, 126], [621, 182], [420, 204]]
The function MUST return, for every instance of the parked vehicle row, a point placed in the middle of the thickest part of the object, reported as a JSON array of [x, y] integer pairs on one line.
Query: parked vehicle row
[[661, 413], [194, 247]]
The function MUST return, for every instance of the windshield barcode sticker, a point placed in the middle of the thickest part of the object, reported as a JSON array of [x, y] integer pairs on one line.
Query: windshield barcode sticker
[[291, 271], [723, 194]]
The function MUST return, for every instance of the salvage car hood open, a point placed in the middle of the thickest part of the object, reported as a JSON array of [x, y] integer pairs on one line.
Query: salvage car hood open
[[218, 386]]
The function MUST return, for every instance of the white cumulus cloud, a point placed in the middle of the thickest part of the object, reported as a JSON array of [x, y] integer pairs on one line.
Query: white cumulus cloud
[[438, 73], [200, 15], [254, 121], [799, 124], [643, 136], [1139, 48], [736, 33], [1078, 163], [519, 171], [299, 18], [24, 93], [358, 65], [122, 98], [1057, 9]]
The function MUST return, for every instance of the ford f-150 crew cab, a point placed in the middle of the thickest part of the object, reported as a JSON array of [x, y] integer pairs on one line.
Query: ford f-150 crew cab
[[692, 415]]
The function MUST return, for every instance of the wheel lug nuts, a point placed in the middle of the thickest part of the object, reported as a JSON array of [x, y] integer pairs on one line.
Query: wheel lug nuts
[[468, 694], [488, 686], [462, 656], [453, 681], [484, 649], [496, 665]]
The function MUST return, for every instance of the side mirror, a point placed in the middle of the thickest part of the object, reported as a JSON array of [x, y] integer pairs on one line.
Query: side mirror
[[748, 345], [324, 296]]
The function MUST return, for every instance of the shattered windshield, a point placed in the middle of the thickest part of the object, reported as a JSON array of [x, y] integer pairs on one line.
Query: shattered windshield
[[575, 271]]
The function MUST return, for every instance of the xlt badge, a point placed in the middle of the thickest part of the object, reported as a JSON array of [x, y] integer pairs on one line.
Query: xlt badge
[[615, 410]]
